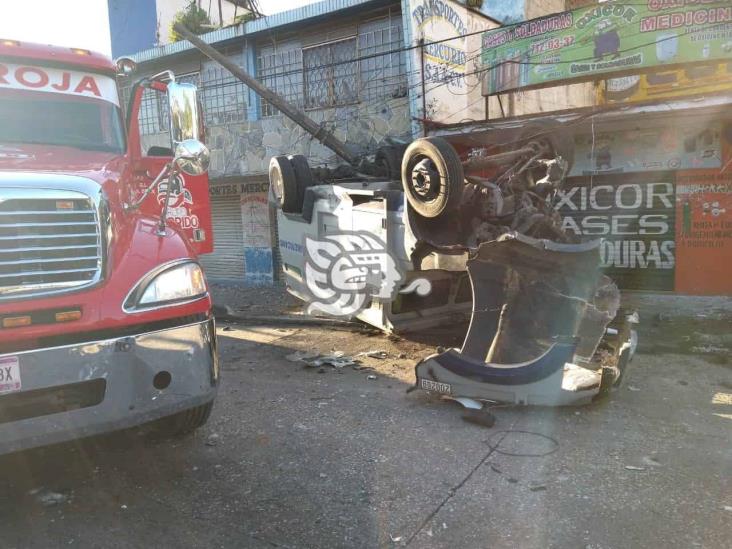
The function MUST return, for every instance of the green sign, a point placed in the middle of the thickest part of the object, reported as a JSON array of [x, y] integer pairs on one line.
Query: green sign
[[608, 39]]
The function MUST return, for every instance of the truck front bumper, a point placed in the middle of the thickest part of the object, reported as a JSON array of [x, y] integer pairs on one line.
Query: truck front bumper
[[88, 388]]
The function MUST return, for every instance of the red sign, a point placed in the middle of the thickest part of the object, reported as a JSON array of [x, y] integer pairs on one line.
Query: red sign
[[48, 79], [703, 232]]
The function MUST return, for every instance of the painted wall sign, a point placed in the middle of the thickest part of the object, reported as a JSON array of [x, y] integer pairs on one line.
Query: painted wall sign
[[682, 146], [451, 83], [704, 232], [610, 38], [52, 80], [238, 188], [634, 215], [255, 220]]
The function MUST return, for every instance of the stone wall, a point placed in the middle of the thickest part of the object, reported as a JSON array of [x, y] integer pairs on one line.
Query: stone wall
[[246, 148]]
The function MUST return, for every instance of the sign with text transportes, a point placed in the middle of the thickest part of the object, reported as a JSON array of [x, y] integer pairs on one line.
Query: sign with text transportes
[[609, 38]]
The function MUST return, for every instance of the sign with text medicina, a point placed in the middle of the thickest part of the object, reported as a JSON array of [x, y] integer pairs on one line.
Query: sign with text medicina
[[611, 38]]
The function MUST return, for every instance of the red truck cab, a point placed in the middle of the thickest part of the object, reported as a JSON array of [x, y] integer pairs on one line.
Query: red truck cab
[[105, 314]]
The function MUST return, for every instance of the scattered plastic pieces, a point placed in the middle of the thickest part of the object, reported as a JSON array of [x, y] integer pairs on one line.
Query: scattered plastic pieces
[[371, 377], [395, 539], [634, 468]]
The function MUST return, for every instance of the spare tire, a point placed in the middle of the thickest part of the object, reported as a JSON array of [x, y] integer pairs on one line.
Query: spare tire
[[432, 177], [284, 183], [303, 176]]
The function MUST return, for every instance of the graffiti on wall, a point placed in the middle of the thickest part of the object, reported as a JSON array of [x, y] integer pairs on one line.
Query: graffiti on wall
[[449, 57], [704, 232], [635, 218]]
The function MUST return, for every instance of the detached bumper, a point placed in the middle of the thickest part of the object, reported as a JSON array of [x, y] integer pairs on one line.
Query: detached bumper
[[95, 387]]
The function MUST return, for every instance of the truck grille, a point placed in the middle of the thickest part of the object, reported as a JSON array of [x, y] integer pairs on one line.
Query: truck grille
[[48, 242]]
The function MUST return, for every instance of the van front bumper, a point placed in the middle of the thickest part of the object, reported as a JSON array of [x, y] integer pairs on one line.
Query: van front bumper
[[84, 389]]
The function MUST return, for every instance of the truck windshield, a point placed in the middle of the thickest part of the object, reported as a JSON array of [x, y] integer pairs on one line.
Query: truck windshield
[[56, 119]]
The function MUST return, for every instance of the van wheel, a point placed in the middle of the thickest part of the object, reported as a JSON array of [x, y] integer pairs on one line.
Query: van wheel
[[284, 183], [303, 176], [432, 176], [184, 422]]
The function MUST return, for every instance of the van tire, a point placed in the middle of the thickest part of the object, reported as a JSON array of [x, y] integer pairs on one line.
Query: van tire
[[436, 188], [303, 176], [283, 181]]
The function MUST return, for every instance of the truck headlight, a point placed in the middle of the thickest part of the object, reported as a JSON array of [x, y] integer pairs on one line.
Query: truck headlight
[[165, 286]]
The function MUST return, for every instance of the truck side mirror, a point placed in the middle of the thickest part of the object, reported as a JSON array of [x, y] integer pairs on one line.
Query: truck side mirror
[[191, 155]]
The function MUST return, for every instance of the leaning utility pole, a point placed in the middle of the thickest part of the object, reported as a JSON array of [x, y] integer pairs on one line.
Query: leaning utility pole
[[289, 110]]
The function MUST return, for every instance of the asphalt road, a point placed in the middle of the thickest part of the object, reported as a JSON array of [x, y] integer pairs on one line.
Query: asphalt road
[[296, 457]]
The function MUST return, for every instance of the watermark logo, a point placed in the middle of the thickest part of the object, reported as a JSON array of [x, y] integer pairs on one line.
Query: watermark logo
[[345, 271]]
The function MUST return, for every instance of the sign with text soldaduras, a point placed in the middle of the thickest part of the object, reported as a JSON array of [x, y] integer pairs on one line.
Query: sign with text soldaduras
[[634, 215], [611, 38]]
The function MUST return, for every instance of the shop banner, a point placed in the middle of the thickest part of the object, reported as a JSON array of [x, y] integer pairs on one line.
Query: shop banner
[[612, 38], [665, 84], [634, 216], [704, 232]]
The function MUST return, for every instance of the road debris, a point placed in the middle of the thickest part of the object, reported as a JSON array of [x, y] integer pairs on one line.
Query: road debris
[[395, 539], [634, 468], [49, 498], [479, 417], [374, 354], [301, 356], [371, 377], [212, 440]]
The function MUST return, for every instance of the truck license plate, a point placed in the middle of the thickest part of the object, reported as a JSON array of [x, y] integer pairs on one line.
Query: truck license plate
[[9, 375], [436, 386]]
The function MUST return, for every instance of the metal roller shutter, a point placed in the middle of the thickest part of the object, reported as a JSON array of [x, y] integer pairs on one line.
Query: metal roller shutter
[[226, 263]]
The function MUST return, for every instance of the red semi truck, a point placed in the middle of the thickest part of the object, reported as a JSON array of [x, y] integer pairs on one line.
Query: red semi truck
[[105, 315]]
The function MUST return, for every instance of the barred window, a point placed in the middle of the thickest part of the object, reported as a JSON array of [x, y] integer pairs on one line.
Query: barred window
[[330, 79], [382, 76], [280, 71], [149, 115], [224, 98]]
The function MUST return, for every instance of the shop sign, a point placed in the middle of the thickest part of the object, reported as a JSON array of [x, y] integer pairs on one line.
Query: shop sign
[[704, 232], [665, 84], [612, 38], [682, 146], [635, 219], [229, 189]]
